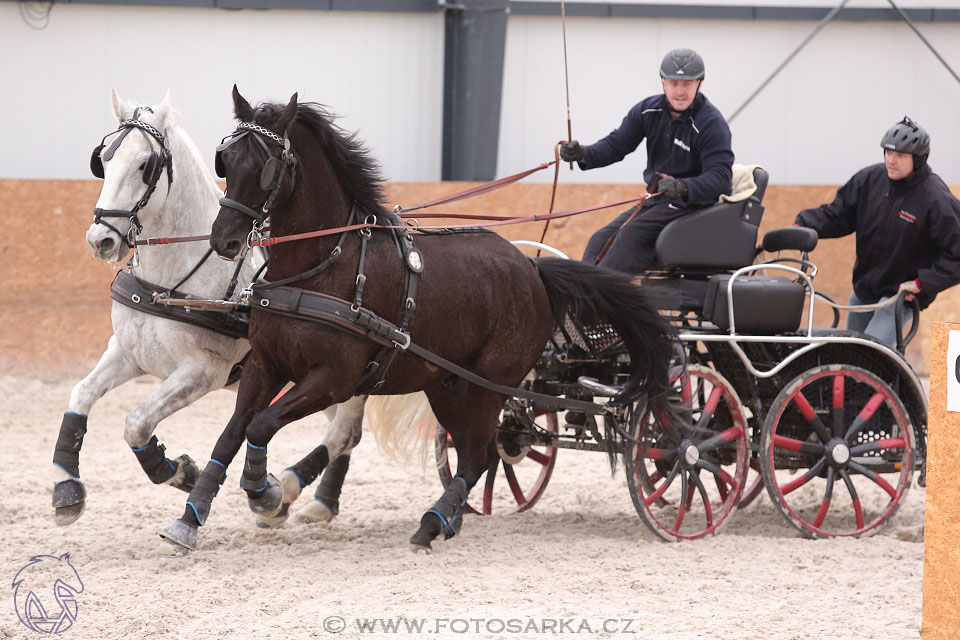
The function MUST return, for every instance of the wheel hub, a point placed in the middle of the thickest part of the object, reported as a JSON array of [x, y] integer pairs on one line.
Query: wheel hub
[[839, 453], [689, 454]]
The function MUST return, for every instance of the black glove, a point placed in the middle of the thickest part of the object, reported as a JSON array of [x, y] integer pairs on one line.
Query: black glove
[[672, 187], [572, 152]]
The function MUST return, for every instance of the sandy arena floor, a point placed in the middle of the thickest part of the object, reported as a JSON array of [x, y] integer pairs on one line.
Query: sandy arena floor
[[580, 563]]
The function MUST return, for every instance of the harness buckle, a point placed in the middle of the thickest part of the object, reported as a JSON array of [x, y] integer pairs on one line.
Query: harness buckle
[[405, 344]]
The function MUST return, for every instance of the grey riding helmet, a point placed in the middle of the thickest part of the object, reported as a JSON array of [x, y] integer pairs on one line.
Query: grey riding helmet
[[908, 137], [682, 64]]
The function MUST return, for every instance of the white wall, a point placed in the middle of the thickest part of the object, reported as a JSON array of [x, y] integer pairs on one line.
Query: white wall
[[383, 72], [818, 122]]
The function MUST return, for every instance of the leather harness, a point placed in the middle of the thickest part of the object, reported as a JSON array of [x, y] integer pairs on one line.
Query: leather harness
[[138, 294]]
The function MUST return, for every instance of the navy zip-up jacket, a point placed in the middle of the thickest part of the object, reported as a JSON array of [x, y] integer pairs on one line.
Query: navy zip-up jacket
[[906, 229], [694, 147]]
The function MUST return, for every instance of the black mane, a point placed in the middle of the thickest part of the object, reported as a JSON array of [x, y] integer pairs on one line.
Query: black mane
[[357, 170]]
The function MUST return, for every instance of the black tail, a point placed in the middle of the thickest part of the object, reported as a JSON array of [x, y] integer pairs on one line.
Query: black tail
[[592, 295]]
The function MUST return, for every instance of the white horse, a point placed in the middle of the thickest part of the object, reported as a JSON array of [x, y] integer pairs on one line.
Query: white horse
[[156, 185]]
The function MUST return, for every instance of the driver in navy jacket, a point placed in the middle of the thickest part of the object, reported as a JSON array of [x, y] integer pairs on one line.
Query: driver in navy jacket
[[907, 224], [689, 162]]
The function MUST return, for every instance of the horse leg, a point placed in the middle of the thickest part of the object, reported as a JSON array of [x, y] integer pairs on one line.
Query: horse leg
[[257, 388], [472, 418], [185, 385], [343, 434], [265, 493], [69, 494]]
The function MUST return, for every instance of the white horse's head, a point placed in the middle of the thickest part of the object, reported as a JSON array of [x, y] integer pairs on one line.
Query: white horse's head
[[137, 170]]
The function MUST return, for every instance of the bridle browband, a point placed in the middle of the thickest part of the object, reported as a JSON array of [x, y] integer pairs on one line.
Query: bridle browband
[[270, 175], [152, 170]]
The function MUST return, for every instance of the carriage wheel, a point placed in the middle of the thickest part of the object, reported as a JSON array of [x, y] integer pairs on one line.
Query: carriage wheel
[[508, 487], [837, 452], [753, 486], [685, 477]]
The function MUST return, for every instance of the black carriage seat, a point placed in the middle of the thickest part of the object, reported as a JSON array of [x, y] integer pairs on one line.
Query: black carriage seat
[[762, 304], [718, 239], [721, 237]]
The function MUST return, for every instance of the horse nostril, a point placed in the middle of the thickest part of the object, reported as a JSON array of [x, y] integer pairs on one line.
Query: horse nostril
[[105, 245], [230, 250]]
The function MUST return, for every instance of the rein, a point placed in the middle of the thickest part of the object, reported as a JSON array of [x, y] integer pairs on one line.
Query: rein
[[496, 221]]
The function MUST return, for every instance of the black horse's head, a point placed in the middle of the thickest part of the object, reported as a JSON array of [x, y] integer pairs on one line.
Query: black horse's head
[[279, 151], [260, 169]]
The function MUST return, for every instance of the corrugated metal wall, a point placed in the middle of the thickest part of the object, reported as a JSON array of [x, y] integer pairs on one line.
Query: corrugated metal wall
[[818, 122], [382, 72]]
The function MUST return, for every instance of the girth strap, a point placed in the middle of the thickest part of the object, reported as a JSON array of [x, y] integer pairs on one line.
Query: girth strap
[[140, 295]]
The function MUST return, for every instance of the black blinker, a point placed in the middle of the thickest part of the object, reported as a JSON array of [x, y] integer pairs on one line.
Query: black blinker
[[96, 165], [269, 173], [218, 164], [152, 169]]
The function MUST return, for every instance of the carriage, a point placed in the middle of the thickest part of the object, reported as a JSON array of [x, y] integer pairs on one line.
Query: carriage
[[831, 422]]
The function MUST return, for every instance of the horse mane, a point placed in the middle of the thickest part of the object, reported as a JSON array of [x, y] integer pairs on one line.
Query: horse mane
[[352, 161]]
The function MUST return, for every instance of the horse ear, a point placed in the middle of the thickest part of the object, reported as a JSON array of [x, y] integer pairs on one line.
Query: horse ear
[[166, 114], [288, 114], [65, 556], [241, 108], [121, 108]]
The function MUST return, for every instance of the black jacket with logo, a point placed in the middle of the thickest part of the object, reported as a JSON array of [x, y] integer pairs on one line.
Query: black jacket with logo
[[906, 229], [694, 146]]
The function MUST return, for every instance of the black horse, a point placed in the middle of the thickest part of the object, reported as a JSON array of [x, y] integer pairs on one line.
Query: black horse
[[465, 304]]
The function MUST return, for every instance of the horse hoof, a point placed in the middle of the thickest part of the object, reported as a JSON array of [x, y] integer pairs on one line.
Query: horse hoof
[[181, 537], [420, 542], [186, 475], [269, 501], [316, 511], [291, 491], [68, 515], [69, 500]]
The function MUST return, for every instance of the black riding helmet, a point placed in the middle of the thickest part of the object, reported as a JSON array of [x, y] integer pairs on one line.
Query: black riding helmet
[[682, 64], [908, 137]]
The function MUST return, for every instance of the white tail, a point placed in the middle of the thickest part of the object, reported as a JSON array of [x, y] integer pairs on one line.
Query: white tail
[[403, 426]]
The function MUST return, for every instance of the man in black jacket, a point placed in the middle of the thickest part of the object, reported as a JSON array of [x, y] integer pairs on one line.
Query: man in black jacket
[[689, 162], [907, 224]]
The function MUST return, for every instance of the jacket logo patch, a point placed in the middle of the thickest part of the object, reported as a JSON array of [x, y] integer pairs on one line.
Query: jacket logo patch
[[679, 143], [907, 216]]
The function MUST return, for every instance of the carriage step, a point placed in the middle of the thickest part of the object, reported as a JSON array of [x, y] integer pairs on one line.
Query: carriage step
[[597, 388]]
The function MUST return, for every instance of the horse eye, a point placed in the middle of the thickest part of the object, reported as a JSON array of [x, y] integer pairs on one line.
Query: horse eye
[[143, 166]]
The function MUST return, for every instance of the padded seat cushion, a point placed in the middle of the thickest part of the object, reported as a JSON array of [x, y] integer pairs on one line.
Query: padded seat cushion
[[761, 304]]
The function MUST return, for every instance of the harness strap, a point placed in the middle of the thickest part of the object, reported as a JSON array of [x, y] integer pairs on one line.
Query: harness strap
[[196, 267], [137, 294], [230, 203], [373, 377], [333, 257], [338, 313]]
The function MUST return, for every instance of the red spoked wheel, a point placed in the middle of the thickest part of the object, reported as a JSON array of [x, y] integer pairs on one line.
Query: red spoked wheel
[[685, 476], [517, 479], [753, 486], [837, 452]]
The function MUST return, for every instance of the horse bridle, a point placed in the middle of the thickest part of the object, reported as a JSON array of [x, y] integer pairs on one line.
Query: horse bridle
[[152, 169], [270, 175]]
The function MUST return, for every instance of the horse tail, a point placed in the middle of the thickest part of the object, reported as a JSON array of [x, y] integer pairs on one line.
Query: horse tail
[[593, 295], [402, 426]]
